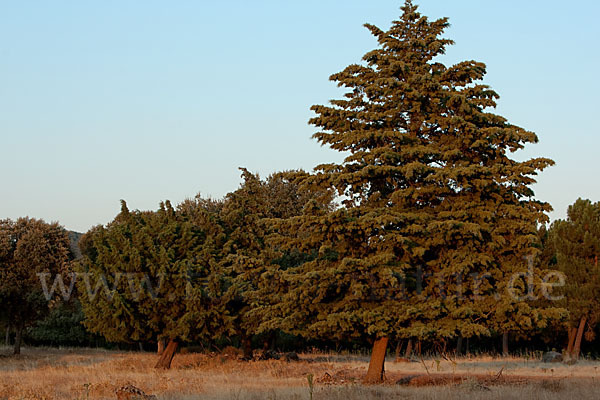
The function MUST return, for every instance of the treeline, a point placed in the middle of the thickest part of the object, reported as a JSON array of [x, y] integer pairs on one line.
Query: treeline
[[428, 232], [218, 273]]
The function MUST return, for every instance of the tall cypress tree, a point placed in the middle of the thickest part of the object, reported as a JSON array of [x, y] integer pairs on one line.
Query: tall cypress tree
[[429, 195]]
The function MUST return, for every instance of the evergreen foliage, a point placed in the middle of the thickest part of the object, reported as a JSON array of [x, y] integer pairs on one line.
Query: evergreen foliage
[[249, 261], [155, 271], [576, 242], [63, 326], [431, 200]]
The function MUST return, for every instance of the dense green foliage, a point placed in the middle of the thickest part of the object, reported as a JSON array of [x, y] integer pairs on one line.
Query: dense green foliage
[[154, 271], [249, 261], [576, 243], [62, 327], [201, 265]]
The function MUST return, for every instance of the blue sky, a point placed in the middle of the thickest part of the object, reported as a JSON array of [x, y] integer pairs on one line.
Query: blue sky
[[153, 100]]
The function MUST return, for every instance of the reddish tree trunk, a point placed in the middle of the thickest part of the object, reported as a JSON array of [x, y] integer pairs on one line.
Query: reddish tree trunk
[[164, 362], [577, 346], [160, 346], [572, 334], [377, 363], [409, 347]]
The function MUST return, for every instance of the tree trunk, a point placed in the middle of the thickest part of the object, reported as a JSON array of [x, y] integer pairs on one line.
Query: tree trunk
[[418, 348], [160, 346], [18, 338], [376, 369], [468, 347], [247, 347], [164, 362], [505, 344], [7, 338], [459, 343], [571, 343], [577, 346], [398, 349], [408, 351]]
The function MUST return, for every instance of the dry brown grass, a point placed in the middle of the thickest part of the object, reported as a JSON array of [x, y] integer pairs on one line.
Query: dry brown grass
[[50, 374]]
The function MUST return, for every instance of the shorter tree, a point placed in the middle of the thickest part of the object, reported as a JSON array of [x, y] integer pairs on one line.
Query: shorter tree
[[576, 242], [156, 270], [28, 247]]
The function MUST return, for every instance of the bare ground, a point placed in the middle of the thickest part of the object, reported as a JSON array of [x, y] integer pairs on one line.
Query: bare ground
[[48, 374]]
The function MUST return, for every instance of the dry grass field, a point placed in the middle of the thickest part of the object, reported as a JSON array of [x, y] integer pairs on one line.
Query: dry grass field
[[47, 374]]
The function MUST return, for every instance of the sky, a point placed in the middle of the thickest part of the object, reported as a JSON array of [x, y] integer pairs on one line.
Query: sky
[[153, 100]]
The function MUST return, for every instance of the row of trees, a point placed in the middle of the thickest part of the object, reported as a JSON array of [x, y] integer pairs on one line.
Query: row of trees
[[199, 267], [428, 230], [432, 222], [240, 277], [570, 246]]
